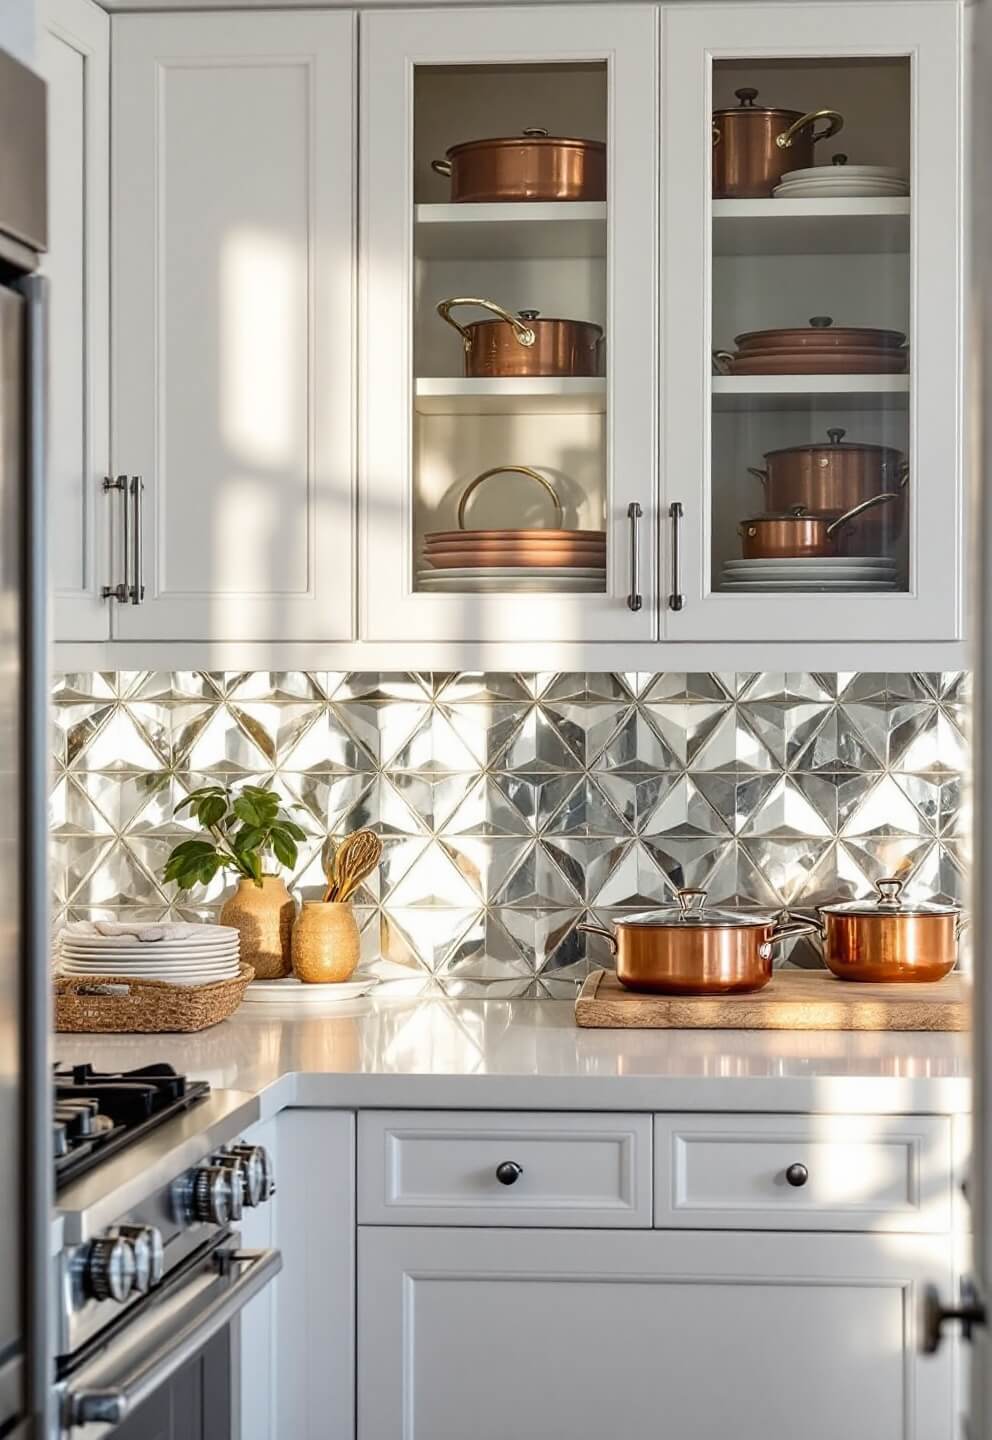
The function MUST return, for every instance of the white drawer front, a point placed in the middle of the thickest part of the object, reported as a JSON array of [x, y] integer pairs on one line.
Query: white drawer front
[[863, 1172], [436, 1168]]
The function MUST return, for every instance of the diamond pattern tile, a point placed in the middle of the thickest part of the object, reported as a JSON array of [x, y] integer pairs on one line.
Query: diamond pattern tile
[[511, 806]]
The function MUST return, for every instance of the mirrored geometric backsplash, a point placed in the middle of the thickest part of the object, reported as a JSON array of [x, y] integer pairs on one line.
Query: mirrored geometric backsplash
[[511, 806]]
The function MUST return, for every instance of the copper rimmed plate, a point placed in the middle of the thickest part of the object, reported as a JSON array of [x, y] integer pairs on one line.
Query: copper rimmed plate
[[442, 536]]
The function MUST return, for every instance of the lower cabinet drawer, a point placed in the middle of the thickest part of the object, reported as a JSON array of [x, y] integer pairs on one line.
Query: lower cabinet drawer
[[477, 1168], [803, 1172]]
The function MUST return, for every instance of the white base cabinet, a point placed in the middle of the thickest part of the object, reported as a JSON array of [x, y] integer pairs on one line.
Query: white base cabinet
[[555, 1334]]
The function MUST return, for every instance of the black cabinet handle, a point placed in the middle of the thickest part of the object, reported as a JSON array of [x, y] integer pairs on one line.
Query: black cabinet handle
[[797, 1175], [509, 1172]]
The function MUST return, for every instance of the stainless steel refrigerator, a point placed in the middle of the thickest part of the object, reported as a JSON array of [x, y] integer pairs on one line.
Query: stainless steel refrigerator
[[25, 1115]]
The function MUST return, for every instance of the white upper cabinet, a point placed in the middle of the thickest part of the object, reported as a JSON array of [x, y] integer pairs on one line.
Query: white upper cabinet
[[232, 379], [865, 401], [74, 52], [556, 441]]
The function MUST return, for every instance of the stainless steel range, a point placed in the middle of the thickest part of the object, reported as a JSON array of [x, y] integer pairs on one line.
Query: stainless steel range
[[153, 1177]]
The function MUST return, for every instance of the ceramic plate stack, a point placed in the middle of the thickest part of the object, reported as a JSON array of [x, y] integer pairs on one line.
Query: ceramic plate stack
[[827, 182], [181, 954], [840, 573]]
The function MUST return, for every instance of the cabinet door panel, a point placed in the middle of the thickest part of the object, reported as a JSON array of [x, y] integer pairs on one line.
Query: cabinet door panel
[[547, 1334], [233, 176], [73, 55]]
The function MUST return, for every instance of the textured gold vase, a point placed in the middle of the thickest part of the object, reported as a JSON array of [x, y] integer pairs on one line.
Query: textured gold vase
[[264, 916], [326, 945]]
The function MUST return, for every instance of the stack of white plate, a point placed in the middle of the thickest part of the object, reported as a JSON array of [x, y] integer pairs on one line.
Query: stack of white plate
[[858, 573], [180, 954], [549, 579], [827, 182]]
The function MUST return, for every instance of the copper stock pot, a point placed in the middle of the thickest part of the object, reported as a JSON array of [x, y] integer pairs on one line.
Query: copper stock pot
[[689, 949], [797, 532], [887, 938], [829, 477], [525, 344], [530, 166], [754, 145]]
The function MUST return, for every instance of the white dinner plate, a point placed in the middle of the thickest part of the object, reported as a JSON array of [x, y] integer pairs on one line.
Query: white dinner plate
[[114, 957], [189, 933], [827, 172], [853, 190], [186, 977], [122, 967], [291, 991]]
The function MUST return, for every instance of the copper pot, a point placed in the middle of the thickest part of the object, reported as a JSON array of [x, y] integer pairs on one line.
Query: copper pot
[[524, 344], [797, 533], [531, 166], [753, 146], [829, 477], [821, 335], [691, 950], [889, 939]]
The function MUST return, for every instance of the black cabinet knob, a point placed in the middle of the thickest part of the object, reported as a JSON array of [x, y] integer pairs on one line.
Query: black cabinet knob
[[969, 1312], [797, 1175], [509, 1172]]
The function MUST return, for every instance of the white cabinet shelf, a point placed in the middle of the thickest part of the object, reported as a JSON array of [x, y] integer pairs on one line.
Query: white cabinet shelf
[[850, 226], [798, 392], [544, 395], [511, 231]]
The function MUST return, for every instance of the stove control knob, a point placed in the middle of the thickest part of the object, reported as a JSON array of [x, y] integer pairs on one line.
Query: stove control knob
[[239, 1176], [259, 1181], [110, 1268], [149, 1255], [215, 1198]]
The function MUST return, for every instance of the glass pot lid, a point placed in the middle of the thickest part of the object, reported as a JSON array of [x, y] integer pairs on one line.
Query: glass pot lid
[[691, 909], [887, 900]]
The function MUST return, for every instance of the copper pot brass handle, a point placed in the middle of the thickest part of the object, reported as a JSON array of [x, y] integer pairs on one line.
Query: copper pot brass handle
[[784, 141], [510, 470], [860, 509], [788, 930], [442, 167], [525, 336], [607, 935], [761, 475], [722, 362]]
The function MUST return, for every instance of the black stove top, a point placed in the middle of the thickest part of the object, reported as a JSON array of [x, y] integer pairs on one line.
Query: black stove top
[[97, 1114]]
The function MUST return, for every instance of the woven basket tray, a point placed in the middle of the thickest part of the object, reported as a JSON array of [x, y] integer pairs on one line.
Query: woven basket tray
[[112, 1004]]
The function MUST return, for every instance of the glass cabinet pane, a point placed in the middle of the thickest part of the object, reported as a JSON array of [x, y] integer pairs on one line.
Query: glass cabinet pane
[[509, 385], [810, 316]]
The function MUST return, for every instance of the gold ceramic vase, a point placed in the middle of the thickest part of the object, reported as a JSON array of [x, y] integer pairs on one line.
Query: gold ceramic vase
[[264, 917], [326, 945]]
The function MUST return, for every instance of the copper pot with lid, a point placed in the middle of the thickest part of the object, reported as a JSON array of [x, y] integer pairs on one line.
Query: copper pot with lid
[[525, 344], [693, 949], [829, 476], [531, 166], [754, 145], [797, 533], [887, 938]]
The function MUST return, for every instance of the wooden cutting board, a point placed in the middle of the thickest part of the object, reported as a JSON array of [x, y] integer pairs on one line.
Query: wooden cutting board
[[793, 1000]]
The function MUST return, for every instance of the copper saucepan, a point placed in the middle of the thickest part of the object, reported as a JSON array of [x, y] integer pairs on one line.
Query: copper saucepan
[[530, 166], [829, 477], [754, 145], [797, 533], [887, 938], [524, 344], [691, 950]]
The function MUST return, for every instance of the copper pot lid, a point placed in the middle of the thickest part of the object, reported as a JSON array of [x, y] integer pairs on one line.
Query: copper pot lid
[[746, 97], [887, 900], [692, 910], [854, 336], [834, 441], [534, 135], [531, 317]]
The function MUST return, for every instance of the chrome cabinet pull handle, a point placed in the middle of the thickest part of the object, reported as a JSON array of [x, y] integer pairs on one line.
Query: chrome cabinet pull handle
[[136, 589], [634, 599], [119, 483], [676, 599]]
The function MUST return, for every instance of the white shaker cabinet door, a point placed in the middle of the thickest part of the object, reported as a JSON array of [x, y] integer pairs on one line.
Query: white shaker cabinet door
[[232, 178], [74, 53], [547, 1335]]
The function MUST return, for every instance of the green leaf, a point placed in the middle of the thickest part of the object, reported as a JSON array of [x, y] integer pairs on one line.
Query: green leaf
[[254, 864], [249, 837], [295, 831], [285, 848], [190, 847], [212, 810], [196, 796], [246, 810]]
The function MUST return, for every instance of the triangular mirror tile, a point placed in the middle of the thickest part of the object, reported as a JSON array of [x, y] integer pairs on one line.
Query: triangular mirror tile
[[673, 686], [786, 810], [685, 728], [535, 796], [688, 861], [432, 797], [282, 725], [537, 745], [433, 880], [637, 747], [171, 729], [118, 879], [884, 810], [71, 859], [783, 865], [838, 744], [486, 810], [936, 746], [788, 688], [734, 797], [586, 728], [383, 727], [474, 687], [429, 933], [837, 875], [537, 882], [632, 795], [733, 745], [587, 811], [485, 861], [487, 951], [883, 855], [279, 687], [434, 747], [682, 810], [71, 810], [587, 687], [585, 862], [224, 748], [88, 685], [484, 730], [329, 799], [937, 876], [327, 745], [634, 881], [173, 687], [74, 728], [400, 685], [785, 728]]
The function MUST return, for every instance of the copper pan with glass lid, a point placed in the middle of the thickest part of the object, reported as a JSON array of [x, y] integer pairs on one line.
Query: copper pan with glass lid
[[889, 938], [694, 949]]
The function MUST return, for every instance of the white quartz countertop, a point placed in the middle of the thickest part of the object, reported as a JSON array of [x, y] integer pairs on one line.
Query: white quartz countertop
[[523, 1054]]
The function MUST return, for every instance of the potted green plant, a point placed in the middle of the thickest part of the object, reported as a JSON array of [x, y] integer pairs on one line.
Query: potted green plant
[[241, 833]]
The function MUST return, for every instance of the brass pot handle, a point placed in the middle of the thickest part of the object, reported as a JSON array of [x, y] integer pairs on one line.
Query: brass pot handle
[[902, 470], [722, 362], [513, 470], [860, 509], [607, 935], [761, 475], [716, 135], [836, 122], [442, 167], [525, 336]]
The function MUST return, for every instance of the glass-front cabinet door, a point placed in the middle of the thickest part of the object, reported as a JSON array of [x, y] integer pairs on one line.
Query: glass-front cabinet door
[[811, 331], [509, 298]]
